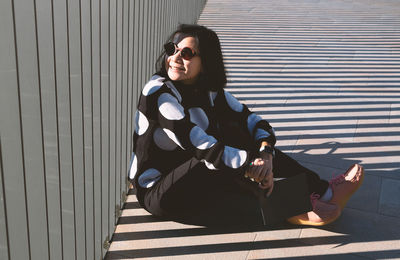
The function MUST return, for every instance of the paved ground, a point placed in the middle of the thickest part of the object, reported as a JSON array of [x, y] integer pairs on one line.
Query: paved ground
[[326, 74]]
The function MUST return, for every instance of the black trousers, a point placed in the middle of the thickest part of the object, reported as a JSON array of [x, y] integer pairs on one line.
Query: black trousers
[[193, 194]]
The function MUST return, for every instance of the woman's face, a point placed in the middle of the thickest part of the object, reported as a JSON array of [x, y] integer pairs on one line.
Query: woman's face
[[179, 69]]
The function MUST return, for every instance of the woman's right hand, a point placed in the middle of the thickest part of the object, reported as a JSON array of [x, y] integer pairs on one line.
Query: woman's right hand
[[260, 170]]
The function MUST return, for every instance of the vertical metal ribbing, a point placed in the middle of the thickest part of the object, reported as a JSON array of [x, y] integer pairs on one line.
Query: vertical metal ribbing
[[75, 70]]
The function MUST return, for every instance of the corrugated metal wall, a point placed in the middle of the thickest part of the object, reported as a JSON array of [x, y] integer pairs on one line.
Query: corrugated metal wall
[[70, 75]]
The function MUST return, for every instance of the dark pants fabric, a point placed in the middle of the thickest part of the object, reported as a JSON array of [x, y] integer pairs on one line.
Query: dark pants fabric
[[193, 194]]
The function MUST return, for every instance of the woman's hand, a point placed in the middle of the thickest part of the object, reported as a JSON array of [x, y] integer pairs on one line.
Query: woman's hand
[[261, 171], [268, 183]]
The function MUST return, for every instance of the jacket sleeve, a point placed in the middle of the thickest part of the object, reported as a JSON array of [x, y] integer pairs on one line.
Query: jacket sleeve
[[258, 128], [176, 123]]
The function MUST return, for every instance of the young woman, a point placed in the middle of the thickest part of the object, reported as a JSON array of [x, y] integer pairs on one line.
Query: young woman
[[200, 156]]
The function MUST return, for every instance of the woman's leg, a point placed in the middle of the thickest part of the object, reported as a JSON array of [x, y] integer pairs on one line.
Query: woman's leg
[[286, 167], [323, 212], [193, 194]]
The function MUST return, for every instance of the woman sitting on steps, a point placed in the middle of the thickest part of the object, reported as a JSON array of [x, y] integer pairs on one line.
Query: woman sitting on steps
[[200, 156]]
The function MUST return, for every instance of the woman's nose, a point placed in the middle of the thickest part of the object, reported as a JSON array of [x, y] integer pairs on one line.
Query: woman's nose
[[176, 57]]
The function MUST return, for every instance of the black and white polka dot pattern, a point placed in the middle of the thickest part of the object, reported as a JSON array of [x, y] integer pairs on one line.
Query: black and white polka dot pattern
[[199, 117], [261, 134], [200, 139], [141, 123], [133, 169], [233, 157], [170, 124], [163, 141], [153, 85], [169, 107], [149, 177], [233, 102], [209, 165]]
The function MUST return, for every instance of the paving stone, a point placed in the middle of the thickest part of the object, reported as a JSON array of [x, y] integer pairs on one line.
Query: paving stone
[[326, 152], [367, 196], [358, 232], [267, 243], [389, 203]]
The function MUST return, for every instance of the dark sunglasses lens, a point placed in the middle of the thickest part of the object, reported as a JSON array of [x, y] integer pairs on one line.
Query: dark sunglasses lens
[[169, 48], [187, 53]]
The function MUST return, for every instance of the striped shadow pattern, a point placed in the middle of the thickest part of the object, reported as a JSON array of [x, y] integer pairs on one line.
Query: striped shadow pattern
[[326, 74]]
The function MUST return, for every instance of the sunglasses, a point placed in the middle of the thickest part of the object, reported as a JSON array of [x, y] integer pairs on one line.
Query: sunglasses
[[186, 53]]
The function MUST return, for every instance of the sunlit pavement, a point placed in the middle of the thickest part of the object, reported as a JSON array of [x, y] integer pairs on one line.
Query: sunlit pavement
[[326, 75]]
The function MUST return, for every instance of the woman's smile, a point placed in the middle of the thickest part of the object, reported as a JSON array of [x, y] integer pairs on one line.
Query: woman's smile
[[177, 68]]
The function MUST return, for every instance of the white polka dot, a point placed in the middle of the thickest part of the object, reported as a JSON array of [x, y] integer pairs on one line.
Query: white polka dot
[[212, 96], [233, 157], [155, 76], [153, 85], [174, 90], [200, 139], [133, 169], [233, 102], [173, 137], [169, 107], [141, 123], [198, 117], [149, 177], [252, 120], [162, 140], [209, 165]]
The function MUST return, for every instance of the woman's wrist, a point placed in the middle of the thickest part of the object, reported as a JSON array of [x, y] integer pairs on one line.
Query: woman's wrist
[[266, 151], [265, 143]]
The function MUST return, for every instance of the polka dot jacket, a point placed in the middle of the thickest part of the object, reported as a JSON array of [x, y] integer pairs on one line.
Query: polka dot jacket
[[176, 123]]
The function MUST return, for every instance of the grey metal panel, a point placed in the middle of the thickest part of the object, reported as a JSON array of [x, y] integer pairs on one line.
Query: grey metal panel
[[164, 23], [147, 39], [44, 14], [136, 64], [118, 105], [68, 117], [153, 25], [75, 77], [112, 112], [157, 30], [104, 106], [145, 44], [165, 17], [11, 137], [64, 130], [3, 220], [169, 18], [174, 16], [132, 84], [87, 125], [141, 63], [156, 46], [124, 95], [30, 106], [96, 127], [162, 37], [130, 101]]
